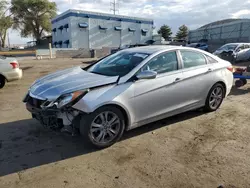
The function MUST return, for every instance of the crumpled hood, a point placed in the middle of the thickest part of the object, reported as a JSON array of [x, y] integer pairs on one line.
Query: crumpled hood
[[217, 52], [54, 85]]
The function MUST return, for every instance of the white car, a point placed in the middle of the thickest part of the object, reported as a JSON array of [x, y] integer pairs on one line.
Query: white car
[[234, 52], [129, 89], [9, 70]]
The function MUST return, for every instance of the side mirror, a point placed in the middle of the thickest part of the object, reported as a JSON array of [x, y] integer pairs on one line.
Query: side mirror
[[147, 74]]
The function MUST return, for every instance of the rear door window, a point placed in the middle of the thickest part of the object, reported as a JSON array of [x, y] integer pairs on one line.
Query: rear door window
[[192, 59]]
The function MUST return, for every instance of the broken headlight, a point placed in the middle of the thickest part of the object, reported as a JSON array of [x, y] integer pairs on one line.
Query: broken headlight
[[70, 99]]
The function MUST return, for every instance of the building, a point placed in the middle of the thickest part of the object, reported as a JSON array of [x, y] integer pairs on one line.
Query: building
[[90, 30], [222, 32]]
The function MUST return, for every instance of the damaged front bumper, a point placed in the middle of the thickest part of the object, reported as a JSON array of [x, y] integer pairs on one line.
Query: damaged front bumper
[[66, 120]]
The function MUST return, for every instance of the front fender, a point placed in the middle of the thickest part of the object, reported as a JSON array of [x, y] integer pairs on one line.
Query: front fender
[[119, 95]]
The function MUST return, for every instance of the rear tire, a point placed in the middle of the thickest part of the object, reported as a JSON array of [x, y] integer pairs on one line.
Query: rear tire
[[239, 83], [215, 98], [244, 81], [103, 127], [2, 81]]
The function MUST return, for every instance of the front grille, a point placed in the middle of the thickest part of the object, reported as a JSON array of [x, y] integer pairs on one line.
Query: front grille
[[35, 102]]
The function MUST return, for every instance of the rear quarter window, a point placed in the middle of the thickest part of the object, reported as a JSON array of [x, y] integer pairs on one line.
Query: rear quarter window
[[211, 60]]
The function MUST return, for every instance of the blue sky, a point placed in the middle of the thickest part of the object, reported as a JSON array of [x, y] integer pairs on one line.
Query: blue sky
[[193, 13]]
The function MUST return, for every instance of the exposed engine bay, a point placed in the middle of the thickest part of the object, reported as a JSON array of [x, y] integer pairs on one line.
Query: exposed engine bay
[[64, 120]]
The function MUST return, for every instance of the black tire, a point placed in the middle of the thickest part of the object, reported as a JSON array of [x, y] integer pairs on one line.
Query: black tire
[[239, 83], [208, 107], [2, 81], [244, 81], [86, 123]]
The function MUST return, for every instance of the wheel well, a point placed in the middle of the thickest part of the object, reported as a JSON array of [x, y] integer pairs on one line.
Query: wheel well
[[124, 113], [224, 86], [2, 76]]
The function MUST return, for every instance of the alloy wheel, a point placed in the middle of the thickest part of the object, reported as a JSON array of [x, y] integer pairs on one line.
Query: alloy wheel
[[216, 98], [105, 127]]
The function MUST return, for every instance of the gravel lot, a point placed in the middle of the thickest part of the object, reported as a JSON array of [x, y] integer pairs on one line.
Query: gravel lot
[[189, 150]]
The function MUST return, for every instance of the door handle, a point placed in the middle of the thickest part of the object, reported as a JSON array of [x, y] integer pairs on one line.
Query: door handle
[[177, 80], [209, 70]]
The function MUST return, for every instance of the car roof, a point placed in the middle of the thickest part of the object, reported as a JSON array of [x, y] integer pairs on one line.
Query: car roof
[[238, 43], [153, 49]]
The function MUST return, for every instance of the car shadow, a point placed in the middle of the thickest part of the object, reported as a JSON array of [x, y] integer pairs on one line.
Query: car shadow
[[26, 67], [162, 123], [26, 144], [239, 91]]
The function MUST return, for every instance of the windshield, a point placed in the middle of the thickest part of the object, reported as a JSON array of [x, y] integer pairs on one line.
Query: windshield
[[118, 64], [228, 47]]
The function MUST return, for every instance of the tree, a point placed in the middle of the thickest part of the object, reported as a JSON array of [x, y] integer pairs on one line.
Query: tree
[[165, 31], [3, 5], [182, 33], [33, 17], [6, 22]]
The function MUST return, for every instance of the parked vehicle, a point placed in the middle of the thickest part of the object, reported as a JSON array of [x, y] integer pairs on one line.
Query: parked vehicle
[[234, 52], [128, 89], [201, 46], [9, 70]]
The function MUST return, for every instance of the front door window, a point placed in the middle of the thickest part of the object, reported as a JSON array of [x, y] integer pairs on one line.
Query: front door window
[[163, 63]]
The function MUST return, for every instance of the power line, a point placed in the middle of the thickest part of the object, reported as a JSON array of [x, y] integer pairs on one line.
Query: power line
[[114, 6]]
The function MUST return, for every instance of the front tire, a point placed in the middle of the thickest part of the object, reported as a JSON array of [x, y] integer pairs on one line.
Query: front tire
[[2, 81], [103, 127], [215, 98]]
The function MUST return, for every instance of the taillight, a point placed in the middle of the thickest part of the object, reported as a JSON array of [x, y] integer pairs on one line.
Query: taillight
[[231, 69], [14, 65]]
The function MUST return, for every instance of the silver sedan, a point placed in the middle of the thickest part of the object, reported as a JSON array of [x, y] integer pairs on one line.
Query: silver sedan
[[128, 89]]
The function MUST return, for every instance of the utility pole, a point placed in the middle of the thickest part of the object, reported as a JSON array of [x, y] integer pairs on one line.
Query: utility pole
[[114, 6]]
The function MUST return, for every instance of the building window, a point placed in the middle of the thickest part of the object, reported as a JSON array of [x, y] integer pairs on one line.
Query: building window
[[102, 27], [131, 29], [118, 28], [60, 44], [61, 28], [67, 43], [54, 31], [83, 25], [66, 26], [144, 32], [54, 44]]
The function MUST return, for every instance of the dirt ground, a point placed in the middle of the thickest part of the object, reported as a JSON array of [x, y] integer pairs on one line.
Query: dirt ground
[[189, 150]]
